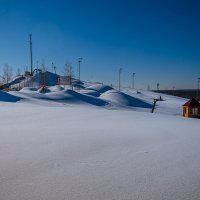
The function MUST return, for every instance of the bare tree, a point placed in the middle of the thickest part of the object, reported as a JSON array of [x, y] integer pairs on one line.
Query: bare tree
[[68, 74], [7, 73], [45, 78], [18, 72]]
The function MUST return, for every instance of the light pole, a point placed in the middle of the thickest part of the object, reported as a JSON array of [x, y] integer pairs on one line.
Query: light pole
[[133, 81], [173, 90], [54, 69], [198, 81], [79, 68], [157, 86], [79, 71], [120, 71], [52, 66], [30, 42]]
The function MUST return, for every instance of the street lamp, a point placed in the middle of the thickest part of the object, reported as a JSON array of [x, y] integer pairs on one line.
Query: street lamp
[[31, 55], [158, 84], [79, 71], [79, 68], [133, 80], [173, 90], [198, 81], [54, 69], [120, 71]]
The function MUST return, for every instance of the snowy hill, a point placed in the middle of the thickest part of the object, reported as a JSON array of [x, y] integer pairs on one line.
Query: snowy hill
[[124, 100], [96, 143], [38, 79], [103, 95]]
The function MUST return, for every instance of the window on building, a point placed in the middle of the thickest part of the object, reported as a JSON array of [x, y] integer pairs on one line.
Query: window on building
[[194, 111]]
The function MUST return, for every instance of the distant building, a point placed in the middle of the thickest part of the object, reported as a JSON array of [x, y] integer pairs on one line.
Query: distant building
[[191, 109]]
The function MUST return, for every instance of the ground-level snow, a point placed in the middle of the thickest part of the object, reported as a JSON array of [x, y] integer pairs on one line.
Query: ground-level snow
[[79, 152]]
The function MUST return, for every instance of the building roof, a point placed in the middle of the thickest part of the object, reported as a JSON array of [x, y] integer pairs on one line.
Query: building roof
[[192, 103]]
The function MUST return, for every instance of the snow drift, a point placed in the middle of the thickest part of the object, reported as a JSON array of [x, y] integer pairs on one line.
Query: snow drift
[[90, 92], [101, 88], [55, 88], [6, 97], [28, 89], [82, 153], [122, 99], [70, 96]]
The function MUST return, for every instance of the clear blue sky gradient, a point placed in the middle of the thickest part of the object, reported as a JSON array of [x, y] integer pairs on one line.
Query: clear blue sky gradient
[[159, 40]]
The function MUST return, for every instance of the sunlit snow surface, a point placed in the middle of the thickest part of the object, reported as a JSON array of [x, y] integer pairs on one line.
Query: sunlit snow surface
[[74, 145]]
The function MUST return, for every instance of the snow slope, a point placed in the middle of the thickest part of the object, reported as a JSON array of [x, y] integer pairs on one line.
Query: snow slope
[[77, 152], [101, 88], [99, 95], [73, 145], [102, 95], [170, 105], [64, 96], [6, 97], [124, 100]]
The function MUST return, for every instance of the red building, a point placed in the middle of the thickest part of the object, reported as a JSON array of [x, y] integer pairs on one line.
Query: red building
[[191, 109]]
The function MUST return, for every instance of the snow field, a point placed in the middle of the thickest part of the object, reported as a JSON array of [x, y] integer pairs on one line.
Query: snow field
[[96, 143], [75, 152]]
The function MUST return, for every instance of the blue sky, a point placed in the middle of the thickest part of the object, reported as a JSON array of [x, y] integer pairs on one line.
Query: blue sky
[[159, 40]]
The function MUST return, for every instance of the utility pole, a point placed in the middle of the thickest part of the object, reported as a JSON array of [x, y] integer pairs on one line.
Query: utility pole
[[31, 53], [79, 70], [157, 86], [120, 71], [133, 81], [52, 67], [198, 81], [70, 76], [173, 90]]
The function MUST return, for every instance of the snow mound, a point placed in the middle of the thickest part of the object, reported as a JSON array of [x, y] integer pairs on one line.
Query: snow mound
[[122, 99], [55, 88], [6, 97], [78, 84], [93, 93], [172, 105], [28, 89], [51, 78], [43, 90], [101, 88], [70, 96]]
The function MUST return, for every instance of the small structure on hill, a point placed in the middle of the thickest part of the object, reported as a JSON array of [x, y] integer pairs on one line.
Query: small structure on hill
[[154, 103], [191, 109]]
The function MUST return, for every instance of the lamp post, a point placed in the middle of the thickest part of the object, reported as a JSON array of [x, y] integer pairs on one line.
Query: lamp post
[[133, 80], [173, 90], [158, 84], [54, 69], [198, 81], [79, 71], [79, 68], [30, 42], [120, 71]]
